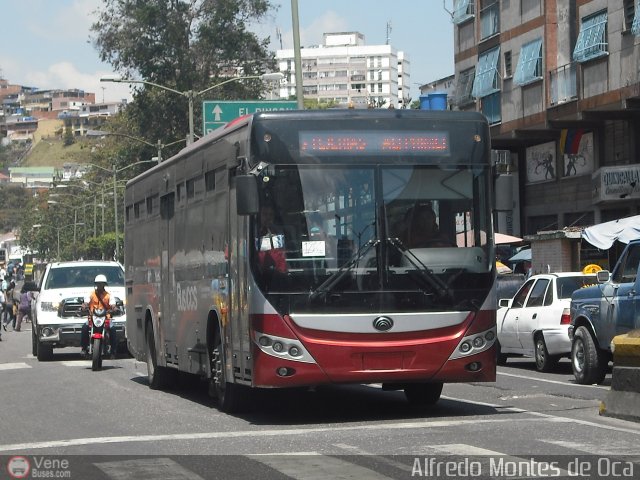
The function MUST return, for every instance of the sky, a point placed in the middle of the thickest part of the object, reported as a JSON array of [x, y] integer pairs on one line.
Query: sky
[[46, 43]]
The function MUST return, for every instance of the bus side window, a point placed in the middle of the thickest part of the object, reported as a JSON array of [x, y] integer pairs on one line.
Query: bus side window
[[167, 206]]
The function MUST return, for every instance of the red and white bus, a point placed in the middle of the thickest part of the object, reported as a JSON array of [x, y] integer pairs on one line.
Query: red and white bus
[[281, 251]]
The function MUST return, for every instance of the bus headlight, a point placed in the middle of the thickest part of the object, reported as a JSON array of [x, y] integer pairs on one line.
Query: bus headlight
[[475, 343], [284, 348]]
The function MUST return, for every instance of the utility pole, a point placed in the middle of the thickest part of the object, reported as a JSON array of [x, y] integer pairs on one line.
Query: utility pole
[[296, 53]]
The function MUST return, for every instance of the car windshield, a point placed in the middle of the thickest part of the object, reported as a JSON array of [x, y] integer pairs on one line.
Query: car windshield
[[83, 276], [565, 286]]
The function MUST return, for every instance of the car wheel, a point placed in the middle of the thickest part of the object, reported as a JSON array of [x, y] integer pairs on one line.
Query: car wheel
[[501, 358], [45, 352], [420, 394], [588, 362], [34, 341], [158, 376], [544, 361]]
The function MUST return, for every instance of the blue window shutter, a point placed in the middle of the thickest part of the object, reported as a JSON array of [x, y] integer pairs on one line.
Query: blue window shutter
[[486, 81], [529, 68], [592, 42], [461, 11], [635, 27]]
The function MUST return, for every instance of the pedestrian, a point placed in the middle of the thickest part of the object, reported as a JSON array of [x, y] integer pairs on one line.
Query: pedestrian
[[24, 306], [9, 312], [2, 307]]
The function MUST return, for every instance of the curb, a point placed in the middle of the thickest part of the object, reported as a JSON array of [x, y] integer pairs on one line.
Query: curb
[[623, 400]]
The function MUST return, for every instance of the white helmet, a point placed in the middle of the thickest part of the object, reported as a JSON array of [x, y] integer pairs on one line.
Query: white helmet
[[100, 279]]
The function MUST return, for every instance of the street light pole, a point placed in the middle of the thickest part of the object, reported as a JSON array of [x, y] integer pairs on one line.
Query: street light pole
[[114, 171], [115, 210], [190, 94], [158, 145]]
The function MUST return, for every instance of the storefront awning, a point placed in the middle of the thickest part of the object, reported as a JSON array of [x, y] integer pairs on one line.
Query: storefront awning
[[605, 234]]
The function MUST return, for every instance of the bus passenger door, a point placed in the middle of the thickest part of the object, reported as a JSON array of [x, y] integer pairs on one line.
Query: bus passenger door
[[167, 211], [237, 329]]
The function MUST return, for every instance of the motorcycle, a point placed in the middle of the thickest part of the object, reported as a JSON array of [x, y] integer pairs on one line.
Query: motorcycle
[[98, 334], [99, 321]]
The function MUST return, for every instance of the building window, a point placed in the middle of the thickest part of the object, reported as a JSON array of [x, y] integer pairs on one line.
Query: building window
[[529, 67], [489, 19], [629, 9], [210, 181], [464, 86], [464, 10], [486, 81], [635, 25], [491, 108], [191, 188], [508, 72], [592, 39]]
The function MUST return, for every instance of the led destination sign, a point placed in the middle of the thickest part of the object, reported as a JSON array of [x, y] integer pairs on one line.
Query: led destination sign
[[393, 142]]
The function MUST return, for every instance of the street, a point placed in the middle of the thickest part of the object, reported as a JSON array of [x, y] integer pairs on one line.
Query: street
[[110, 425]]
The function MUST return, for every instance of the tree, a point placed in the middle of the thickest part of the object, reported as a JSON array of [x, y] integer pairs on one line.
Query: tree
[[183, 45]]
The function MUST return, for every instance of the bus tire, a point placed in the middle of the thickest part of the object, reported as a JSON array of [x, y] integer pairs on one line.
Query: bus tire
[[225, 392], [588, 362], [158, 376], [420, 394]]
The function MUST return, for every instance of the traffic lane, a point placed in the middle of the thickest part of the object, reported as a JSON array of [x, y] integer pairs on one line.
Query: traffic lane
[[522, 371], [117, 407]]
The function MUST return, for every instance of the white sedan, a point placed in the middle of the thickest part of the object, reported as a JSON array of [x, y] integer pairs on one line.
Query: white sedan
[[535, 322]]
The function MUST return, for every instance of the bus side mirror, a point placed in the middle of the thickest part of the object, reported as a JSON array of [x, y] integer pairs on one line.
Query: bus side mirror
[[247, 198]]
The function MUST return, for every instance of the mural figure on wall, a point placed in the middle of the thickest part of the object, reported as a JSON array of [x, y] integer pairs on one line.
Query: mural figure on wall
[[577, 148], [541, 162]]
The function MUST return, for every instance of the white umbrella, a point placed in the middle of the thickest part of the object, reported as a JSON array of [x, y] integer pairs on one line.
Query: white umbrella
[[501, 238]]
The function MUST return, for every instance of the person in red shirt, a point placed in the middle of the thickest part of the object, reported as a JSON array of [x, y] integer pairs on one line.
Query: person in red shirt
[[99, 298]]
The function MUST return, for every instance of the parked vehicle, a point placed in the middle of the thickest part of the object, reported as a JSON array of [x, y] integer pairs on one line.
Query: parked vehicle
[[535, 322], [57, 311], [601, 312]]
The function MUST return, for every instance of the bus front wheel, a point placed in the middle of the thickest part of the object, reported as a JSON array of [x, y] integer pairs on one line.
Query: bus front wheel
[[158, 376], [225, 392], [421, 394]]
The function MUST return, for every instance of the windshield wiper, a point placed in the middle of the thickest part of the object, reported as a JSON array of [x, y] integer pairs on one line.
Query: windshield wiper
[[424, 273], [335, 278]]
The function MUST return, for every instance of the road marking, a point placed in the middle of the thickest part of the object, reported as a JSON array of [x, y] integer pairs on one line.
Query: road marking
[[557, 382], [256, 433], [549, 417], [379, 457], [75, 363], [14, 366], [492, 457], [462, 449], [146, 469], [610, 448], [318, 468]]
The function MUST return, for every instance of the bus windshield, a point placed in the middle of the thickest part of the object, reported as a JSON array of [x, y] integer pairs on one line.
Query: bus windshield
[[397, 237]]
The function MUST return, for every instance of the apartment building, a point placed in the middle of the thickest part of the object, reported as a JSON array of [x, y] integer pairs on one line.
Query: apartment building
[[347, 71], [559, 81]]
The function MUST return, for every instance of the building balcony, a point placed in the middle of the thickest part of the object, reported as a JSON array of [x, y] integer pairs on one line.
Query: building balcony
[[563, 84]]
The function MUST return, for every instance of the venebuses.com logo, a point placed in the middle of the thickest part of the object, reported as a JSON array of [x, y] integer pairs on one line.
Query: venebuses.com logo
[[18, 467]]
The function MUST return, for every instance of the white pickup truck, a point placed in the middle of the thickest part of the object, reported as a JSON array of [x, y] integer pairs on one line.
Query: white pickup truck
[[56, 311]]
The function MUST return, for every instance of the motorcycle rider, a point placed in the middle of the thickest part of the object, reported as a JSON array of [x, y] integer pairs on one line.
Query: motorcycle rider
[[99, 298]]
